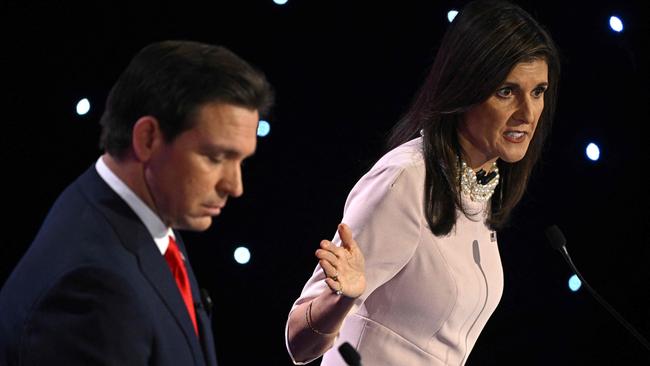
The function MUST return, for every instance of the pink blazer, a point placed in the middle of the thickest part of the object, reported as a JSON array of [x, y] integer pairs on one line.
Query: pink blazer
[[427, 297]]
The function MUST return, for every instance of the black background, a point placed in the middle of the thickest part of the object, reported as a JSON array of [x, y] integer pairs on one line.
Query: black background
[[344, 72]]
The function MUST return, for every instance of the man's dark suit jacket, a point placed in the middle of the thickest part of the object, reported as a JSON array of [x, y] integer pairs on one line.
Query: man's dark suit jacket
[[93, 289]]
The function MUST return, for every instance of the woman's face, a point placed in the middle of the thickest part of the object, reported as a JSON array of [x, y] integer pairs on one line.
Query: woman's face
[[502, 126]]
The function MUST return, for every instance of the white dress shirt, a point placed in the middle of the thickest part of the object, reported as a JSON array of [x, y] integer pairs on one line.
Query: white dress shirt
[[158, 230]]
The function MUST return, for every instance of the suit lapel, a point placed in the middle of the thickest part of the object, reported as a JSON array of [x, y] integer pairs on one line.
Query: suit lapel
[[156, 271], [203, 320], [136, 238]]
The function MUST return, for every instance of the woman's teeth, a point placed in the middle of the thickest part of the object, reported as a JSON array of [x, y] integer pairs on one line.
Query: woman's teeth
[[515, 134]]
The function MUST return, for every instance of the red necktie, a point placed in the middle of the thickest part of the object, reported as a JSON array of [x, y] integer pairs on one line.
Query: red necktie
[[176, 263]]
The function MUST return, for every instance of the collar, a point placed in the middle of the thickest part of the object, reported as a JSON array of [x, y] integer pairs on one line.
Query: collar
[[157, 229]]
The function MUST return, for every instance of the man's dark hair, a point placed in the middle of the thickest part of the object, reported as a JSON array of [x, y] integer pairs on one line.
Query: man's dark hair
[[170, 80]]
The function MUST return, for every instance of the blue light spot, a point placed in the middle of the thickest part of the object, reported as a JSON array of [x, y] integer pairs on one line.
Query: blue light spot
[[83, 106], [616, 24], [242, 255], [593, 152], [263, 128], [574, 283], [451, 15], [280, 2]]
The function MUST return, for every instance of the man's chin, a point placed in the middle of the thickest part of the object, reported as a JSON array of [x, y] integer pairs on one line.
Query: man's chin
[[195, 224]]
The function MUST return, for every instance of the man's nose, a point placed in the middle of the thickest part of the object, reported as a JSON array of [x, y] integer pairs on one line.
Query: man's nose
[[231, 182]]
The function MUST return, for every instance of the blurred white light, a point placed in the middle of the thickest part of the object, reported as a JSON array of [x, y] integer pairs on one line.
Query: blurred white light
[[616, 24], [242, 255], [280, 2], [574, 283], [263, 128], [451, 15], [83, 106], [593, 152]]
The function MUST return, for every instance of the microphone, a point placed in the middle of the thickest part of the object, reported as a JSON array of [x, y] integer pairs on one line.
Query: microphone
[[349, 354], [557, 240], [205, 302]]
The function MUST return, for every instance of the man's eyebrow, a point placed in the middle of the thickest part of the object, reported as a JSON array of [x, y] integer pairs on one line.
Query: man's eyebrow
[[218, 150]]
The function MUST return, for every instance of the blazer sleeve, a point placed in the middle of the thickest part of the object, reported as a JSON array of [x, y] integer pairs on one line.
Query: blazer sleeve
[[384, 211], [89, 317]]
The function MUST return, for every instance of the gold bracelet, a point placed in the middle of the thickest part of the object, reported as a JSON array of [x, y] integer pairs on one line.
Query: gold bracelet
[[309, 322]]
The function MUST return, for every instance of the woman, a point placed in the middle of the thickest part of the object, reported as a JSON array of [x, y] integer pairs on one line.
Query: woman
[[424, 216]]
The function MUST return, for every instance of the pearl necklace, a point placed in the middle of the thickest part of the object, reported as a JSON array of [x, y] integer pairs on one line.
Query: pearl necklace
[[481, 188]]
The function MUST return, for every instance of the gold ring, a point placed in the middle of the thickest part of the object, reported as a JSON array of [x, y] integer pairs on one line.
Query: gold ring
[[335, 276]]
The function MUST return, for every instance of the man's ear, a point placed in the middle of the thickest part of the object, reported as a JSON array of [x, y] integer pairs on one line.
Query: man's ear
[[146, 137]]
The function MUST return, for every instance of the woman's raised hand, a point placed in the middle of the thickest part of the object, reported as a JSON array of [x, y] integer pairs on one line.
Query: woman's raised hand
[[344, 266]]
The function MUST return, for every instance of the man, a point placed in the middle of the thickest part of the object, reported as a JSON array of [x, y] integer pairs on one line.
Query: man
[[106, 281]]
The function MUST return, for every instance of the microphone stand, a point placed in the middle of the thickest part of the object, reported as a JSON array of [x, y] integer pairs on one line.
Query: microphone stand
[[557, 240]]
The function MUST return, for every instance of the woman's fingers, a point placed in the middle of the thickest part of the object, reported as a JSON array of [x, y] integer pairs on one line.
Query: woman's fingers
[[327, 255], [340, 252], [330, 270], [343, 265], [347, 241], [335, 286]]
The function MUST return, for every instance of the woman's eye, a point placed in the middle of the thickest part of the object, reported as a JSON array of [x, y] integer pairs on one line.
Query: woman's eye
[[539, 92], [504, 92]]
